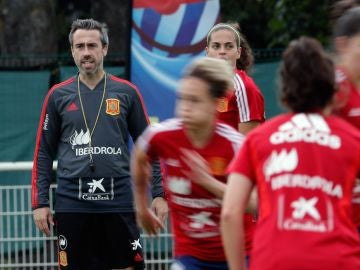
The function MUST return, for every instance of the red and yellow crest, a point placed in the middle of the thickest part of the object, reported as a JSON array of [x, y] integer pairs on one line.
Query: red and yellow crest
[[113, 106], [222, 105], [63, 261], [218, 165]]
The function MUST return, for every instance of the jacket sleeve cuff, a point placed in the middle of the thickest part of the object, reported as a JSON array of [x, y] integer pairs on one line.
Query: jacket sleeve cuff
[[158, 194], [40, 206]]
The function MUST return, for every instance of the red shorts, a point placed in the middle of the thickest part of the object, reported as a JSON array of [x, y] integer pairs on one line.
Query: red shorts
[[98, 241]]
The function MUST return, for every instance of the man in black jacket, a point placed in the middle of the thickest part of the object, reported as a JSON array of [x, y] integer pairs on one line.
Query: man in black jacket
[[85, 122]]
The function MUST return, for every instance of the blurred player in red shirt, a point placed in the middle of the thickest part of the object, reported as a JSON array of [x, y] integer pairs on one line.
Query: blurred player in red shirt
[[243, 105], [196, 149], [304, 164], [347, 105]]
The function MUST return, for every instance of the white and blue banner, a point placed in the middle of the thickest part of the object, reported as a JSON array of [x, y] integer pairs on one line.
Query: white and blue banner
[[166, 36]]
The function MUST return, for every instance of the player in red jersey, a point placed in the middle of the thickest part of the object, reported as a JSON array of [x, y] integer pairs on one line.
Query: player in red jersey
[[347, 40], [243, 105], [304, 164], [86, 123], [196, 150]]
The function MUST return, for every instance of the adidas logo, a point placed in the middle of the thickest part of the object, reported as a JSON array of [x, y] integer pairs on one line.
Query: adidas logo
[[281, 162], [309, 128], [72, 107]]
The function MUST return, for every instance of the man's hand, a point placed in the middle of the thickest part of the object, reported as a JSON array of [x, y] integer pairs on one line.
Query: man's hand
[[149, 221], [160, 207], [199, 171], [43, 217]]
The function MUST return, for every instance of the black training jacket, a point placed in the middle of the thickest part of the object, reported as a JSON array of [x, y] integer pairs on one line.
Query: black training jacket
[[62, 134]]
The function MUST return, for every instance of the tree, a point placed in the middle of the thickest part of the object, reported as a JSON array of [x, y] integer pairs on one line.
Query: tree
[[273, 23], [27, 27], [292, 19], [113, 13]]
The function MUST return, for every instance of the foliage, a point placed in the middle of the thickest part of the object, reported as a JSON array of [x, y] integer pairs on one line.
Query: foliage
[[273, 23]]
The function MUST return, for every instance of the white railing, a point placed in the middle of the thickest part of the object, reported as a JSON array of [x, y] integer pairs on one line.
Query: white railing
[[22, 246], [19, 166]]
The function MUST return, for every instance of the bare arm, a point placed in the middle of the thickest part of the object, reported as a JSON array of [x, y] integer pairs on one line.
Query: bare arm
[[232, 222], [141, 171], [200, 173], [252, 205], [246, 127]]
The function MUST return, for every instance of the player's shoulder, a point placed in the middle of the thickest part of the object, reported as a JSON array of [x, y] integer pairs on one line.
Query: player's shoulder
[[65, 82], [65, 87], [167, 125], [119, 81], [343, 127], [243, 76], [228, 132], [162, 129], [271, 125], [119, 84], [287, 122], [242, 79]]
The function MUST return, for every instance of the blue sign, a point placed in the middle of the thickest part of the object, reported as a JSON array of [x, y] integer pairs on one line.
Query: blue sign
[[166, 36]]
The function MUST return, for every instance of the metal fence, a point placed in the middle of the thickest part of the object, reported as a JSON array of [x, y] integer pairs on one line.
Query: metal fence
[[22, 246]]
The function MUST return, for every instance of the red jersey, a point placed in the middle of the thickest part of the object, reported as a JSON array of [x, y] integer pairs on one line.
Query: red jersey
[[348, 107], [244, 104], [304, 166], [195, 212], [347, 98]]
